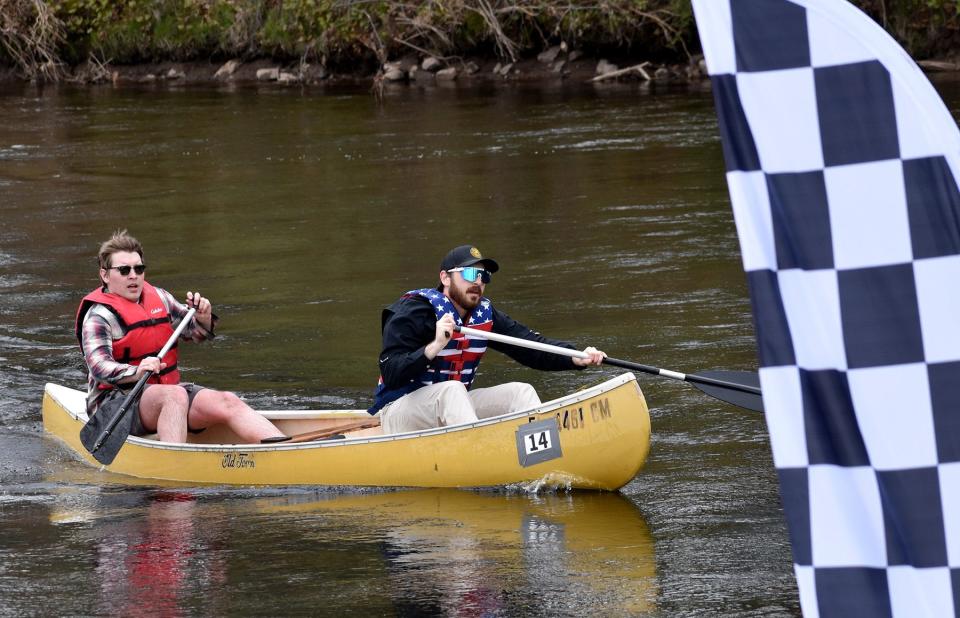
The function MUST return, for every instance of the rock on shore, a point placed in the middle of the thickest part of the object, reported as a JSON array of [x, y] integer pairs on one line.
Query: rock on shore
[[556, 63]]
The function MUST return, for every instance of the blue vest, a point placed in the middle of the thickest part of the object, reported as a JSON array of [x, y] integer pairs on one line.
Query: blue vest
[[458, 360]]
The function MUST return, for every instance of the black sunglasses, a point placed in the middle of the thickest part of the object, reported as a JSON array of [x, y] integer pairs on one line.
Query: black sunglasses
[[125, 269]]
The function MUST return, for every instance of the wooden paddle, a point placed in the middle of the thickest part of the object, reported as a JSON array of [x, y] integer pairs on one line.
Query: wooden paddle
[[320, 434], [95, 441], [740, 388]]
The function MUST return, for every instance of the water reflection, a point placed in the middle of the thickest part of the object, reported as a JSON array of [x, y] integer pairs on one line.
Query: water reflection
[[145, 565], [170, 552], [454, 552]]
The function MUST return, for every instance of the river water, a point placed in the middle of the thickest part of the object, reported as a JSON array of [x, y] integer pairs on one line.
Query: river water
[[301, 214]]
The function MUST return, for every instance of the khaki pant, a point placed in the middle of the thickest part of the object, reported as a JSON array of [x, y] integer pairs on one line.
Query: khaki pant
[[450, 403]]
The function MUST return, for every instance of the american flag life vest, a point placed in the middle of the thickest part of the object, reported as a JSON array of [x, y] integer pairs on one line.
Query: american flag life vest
[[458, 360]]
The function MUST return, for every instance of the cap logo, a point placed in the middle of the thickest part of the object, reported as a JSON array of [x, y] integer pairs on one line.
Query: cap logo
[[475, 252]]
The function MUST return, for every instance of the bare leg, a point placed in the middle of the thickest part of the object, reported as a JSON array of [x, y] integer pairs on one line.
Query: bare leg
[[163, 408], [212, 407]]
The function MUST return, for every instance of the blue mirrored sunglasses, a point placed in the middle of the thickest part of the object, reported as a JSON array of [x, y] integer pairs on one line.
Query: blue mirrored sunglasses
[[470, 273]]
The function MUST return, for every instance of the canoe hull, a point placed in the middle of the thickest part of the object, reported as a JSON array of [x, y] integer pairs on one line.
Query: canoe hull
[[602, 439]]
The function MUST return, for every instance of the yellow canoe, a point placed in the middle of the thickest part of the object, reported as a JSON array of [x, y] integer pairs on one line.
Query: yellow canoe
[[596, 438]]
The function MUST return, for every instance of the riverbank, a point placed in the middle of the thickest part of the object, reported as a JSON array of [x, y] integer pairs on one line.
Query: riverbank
[[556, 64], [307, 42], [413, 71]]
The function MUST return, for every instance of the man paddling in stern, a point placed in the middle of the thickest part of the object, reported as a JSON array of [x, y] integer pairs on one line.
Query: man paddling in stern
[[123, 324], [427, 369]]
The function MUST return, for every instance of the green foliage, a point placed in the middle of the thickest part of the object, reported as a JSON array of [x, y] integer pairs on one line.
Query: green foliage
[[342, 31], [296, 27], [925, 28], [946, 5], [132, 30]]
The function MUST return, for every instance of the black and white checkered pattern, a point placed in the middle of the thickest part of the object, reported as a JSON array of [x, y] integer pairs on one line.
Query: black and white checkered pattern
[[842, 164]]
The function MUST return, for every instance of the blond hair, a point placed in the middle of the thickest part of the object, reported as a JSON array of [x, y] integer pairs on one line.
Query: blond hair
[[120, 241]]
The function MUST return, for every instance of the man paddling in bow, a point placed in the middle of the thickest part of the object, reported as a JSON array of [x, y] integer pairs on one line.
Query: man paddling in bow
[[427, 369], [123, 324]]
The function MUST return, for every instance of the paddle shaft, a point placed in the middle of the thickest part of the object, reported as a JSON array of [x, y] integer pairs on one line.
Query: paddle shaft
[[320, 434], [135, 392], [546, 347]]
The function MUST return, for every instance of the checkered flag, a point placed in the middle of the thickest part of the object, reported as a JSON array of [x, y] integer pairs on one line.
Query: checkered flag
[[842, 164]]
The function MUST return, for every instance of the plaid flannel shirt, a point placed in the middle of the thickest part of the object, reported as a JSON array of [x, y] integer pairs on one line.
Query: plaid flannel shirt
[[101, 328]]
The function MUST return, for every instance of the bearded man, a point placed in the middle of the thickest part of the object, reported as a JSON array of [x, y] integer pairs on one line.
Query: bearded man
[[427, 369]]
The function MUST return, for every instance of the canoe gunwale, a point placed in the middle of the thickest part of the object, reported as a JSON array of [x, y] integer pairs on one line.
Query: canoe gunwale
[[554, 404]]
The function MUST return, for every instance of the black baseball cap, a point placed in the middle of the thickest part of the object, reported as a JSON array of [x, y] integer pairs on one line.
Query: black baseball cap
[[467, 255]]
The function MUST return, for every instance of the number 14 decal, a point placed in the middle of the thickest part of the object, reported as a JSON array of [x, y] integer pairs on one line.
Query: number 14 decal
[[538, 441]]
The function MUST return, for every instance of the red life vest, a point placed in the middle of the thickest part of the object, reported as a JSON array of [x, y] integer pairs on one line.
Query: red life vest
[[146, 325]]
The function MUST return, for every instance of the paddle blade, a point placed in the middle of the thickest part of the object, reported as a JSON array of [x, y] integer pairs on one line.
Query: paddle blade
[[750, 401], [94, 428]]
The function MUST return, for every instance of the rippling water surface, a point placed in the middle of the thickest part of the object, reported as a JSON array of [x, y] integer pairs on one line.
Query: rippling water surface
[[302, 213]]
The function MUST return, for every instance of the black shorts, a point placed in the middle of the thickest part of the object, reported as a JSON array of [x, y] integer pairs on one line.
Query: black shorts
[[137, 428]]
